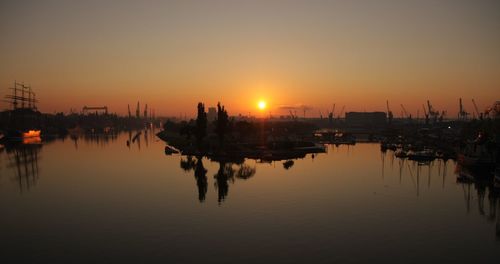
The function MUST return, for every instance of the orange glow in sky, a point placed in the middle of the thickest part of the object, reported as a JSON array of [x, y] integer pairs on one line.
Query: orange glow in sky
[[174, 54]]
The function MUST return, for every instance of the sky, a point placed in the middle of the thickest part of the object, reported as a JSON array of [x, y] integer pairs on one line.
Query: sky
[[174, 54]]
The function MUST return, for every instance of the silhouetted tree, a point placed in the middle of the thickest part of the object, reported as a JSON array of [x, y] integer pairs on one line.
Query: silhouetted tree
[[222, 123], [201, 124], [186, 129]]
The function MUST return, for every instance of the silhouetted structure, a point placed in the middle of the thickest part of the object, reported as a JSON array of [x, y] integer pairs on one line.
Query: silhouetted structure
[[221, 126], [201, 125]]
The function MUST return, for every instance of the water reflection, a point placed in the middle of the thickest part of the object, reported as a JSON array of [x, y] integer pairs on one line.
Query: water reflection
[[99, 139], [478, 188], [227, 172], [417, 171], [200, 174], [23, 159]]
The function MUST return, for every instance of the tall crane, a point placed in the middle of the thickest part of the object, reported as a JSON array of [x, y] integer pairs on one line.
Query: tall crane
[[475, 107], [389, 112], [330, 115], [129, 114], [404, 111], [432, 112], [426, 115], [462, 114]]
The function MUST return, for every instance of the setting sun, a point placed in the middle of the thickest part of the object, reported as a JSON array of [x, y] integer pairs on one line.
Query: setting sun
[[262, 105]]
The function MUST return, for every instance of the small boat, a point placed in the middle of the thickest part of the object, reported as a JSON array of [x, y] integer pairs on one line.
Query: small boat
[[22, 135], [31, 134]]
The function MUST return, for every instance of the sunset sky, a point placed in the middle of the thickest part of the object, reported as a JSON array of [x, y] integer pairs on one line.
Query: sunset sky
[[173, 54]]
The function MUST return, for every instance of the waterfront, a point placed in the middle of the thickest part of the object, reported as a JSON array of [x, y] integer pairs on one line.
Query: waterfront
[[97, 200]]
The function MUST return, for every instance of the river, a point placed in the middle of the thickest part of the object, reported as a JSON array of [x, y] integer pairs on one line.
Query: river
[[101, 200]]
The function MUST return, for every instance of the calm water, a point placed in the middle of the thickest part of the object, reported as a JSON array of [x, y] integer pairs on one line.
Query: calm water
[[98, 200]]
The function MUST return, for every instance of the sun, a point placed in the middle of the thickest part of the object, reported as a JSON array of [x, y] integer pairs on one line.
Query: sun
[[262, 105]]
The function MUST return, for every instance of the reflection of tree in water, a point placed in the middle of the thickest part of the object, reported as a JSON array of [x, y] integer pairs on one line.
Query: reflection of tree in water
[[23, 159], [227, 172], [224, 174], [200, 174]]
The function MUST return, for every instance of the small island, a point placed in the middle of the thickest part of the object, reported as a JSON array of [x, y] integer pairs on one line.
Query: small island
[[226, 139]]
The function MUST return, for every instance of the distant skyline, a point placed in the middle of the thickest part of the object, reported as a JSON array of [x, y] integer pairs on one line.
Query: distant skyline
[[173, 54]]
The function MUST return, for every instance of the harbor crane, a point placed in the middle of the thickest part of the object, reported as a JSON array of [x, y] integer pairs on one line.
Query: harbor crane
[[330, 115], [405, 113], [475, 108], [432, 112], [426, 115], [462, 114], [389, 112]]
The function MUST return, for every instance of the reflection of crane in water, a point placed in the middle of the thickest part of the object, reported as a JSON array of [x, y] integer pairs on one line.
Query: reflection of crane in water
[[23, 160]]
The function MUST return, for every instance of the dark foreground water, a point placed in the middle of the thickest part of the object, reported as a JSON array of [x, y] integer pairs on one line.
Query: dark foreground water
[[96, 200]]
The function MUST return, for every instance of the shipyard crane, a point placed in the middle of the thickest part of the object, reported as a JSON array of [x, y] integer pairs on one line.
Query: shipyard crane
[[330, 115], [146, 111], [404, 111], [432, 112], [475, 107], [389, 112], [426, 115], [462, 114], [129, 113]]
